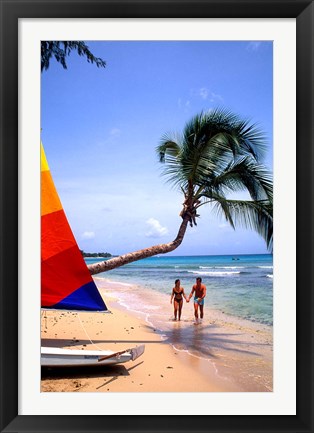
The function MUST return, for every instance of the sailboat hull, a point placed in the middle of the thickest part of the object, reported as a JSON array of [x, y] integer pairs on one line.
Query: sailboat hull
[[57, 357]]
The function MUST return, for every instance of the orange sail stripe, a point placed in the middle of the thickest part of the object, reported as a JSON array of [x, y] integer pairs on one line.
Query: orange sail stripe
[[50, 201]]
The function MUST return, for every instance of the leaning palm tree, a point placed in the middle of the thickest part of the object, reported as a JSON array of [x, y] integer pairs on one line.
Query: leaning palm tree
[[217, 155]]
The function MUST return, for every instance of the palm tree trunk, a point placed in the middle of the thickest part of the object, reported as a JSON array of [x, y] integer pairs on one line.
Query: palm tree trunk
[[107, 265]]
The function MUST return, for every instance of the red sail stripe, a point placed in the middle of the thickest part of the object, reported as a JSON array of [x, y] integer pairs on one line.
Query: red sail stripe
[[59, 270], [56, 234]]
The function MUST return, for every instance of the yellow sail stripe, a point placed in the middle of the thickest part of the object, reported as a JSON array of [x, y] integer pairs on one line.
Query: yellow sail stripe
[[50, 201], [43, 160]]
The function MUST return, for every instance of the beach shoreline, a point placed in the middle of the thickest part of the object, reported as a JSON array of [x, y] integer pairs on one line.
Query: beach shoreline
[[222, 355]]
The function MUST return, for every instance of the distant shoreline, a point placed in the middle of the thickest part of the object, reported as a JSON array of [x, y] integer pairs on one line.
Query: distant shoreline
[[96, 255]]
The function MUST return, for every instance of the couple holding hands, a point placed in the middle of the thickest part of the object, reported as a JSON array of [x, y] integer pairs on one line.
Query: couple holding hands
[[178, 294]]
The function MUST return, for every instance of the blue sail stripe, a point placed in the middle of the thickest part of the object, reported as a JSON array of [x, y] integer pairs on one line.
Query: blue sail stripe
[[85, 298]]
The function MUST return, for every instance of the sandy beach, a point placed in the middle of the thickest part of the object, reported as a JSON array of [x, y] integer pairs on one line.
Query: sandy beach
[[223, 354]]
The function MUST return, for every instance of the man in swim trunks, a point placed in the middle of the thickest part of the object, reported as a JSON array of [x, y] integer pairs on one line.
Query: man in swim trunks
[[199, 291]]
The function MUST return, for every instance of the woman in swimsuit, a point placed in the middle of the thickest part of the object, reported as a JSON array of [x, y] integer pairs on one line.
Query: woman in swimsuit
[[177, 295]]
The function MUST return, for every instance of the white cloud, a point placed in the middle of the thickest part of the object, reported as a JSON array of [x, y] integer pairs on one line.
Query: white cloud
[[253, 46], [88, 235], [206, 94], [111, 137], [225, 228], [115, 132], [183, 104], [155, 229], [214, 97], [203, 92], [223, 225]]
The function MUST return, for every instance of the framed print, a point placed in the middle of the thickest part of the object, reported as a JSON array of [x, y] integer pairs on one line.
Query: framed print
[[188, 39]]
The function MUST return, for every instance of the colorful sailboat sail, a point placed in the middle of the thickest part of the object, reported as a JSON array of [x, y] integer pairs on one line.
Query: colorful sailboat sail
[[65, 280]]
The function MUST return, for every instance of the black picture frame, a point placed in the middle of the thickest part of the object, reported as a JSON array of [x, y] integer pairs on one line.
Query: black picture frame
[[11, 11]]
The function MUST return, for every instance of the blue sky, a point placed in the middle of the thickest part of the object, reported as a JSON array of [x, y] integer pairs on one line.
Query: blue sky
[[100, 128]]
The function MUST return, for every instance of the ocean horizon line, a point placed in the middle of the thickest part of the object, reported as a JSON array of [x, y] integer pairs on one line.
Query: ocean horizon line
[[186, 255]]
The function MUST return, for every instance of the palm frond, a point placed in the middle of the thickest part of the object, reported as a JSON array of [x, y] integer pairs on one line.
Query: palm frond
[[169, 151], [167, 146], [251, 139], [254, 215], [246, 174]]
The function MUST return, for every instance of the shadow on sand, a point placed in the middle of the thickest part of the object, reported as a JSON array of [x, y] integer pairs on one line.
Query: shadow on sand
[[206, 340], [110, 371]]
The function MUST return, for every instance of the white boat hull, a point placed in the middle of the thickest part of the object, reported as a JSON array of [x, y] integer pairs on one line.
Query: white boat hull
[[58, 357]]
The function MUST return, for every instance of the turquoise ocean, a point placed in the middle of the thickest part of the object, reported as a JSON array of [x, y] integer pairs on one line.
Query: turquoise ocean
[[240, 286]]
